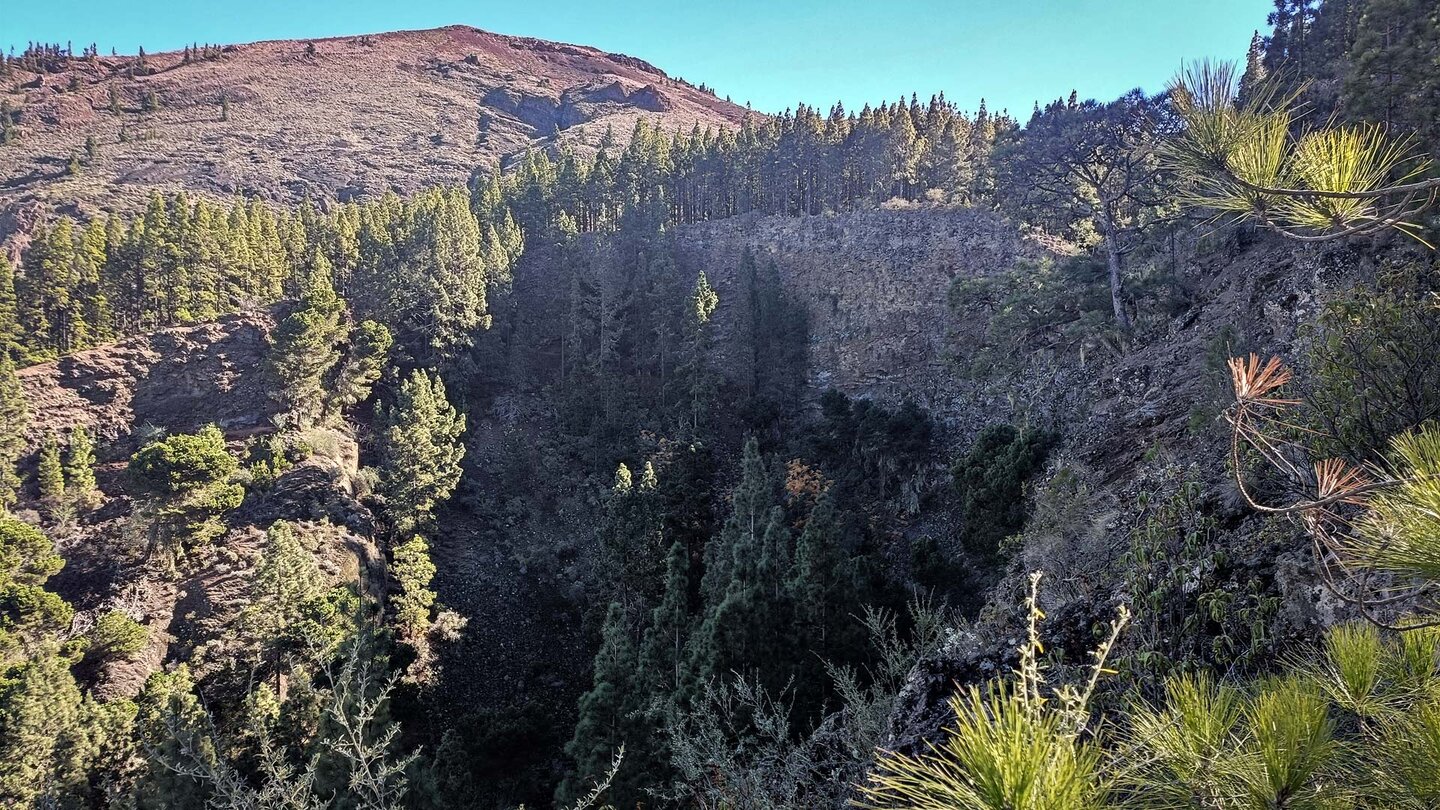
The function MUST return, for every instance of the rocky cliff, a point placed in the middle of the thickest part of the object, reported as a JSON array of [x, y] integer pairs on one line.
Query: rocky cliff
[[173, 380], [874, 288]]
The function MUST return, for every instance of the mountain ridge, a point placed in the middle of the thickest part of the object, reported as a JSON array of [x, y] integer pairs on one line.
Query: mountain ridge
[[347, 117]]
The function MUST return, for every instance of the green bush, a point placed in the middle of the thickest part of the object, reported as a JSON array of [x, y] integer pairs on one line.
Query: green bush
[[183, 462], [116, 634], [1374, 361], [991, 479]]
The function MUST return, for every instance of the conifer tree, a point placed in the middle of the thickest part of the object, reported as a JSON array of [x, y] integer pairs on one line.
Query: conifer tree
[[1096, 165], [606, 719], [289, 612], [420, 450], [364, 362], [185, 481], [50, 474], [746, 610], [1255, 74], [700, 379], [80, 470], [1393, 78], [44, 734], [9, 310], [631, 542], [32, 614], [815, 578], [414, 602], [662, 649], [304, 347], [172, 718], [14, 421], [750, 505], [749, 630]]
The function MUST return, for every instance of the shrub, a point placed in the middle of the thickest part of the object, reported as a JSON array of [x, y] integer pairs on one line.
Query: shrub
[[183, 463], [116, 634], [991, 479], [1374, 361]]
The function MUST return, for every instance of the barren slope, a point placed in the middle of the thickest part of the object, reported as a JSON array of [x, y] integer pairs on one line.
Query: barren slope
[[357, 117]]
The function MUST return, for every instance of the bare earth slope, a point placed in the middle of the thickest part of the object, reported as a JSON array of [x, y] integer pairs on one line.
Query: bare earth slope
[[355, 118]]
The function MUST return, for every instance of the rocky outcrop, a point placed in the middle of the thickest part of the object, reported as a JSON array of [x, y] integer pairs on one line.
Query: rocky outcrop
[[176, 380], [873, 286]]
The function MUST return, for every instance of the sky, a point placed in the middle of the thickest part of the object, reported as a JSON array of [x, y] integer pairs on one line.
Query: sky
[[769, 53]]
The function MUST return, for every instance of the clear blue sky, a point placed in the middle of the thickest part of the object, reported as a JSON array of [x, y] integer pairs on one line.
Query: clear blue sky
[[772, 53]]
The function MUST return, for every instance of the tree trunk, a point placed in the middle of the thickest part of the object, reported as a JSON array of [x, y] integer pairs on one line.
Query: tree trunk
[[1117, 283]]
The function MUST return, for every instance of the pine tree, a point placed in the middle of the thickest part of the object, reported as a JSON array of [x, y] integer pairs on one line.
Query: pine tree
[[80, 470], [184, 481], [10, 333], [414, 601], [822, 593], [696, 371], [50, 473], [32, 614], [1255, 74], [43, 732], [606, 716], [662, 650], [284, 592], [631, 543], [420, 450], [749, 630], [304, 348], [364, 362], [750, 505], [14, 422], [1393, 77], [746, 610], [171, 717]]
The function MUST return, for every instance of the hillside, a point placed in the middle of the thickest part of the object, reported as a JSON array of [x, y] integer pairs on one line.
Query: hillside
[[857, 457], [354, 118]]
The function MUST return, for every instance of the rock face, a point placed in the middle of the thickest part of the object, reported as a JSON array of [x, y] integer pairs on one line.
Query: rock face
[[873, 286], [355, 118], [178, 380]]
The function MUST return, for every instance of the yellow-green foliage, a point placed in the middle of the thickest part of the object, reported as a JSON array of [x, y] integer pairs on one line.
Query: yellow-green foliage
[[415, 599], [1245, 157], [1014, 745], [118, 635], [1400, 533], [1355, 724], [999, 754]]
